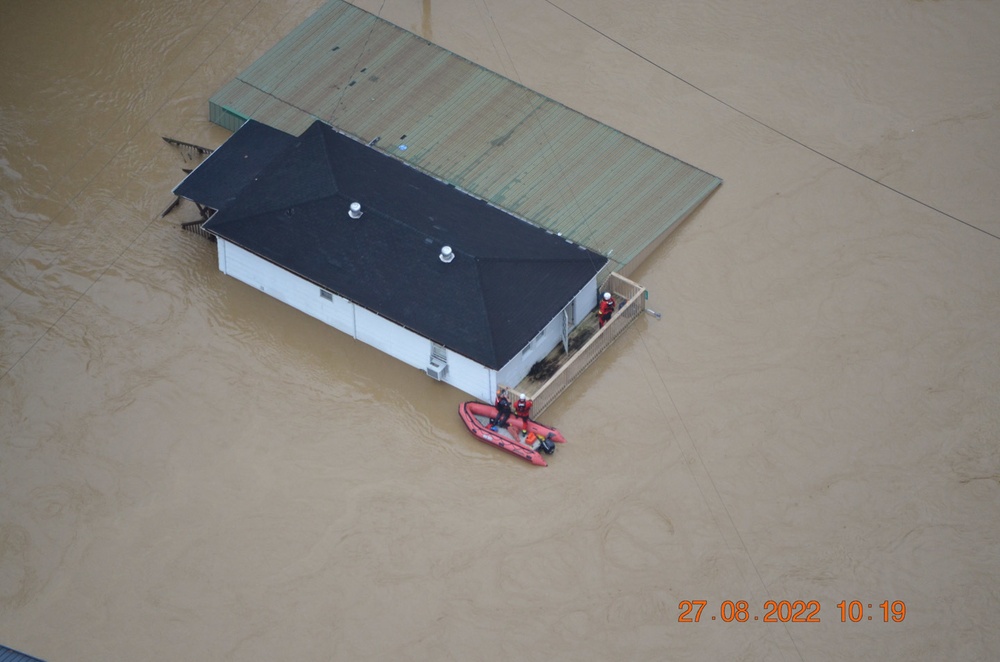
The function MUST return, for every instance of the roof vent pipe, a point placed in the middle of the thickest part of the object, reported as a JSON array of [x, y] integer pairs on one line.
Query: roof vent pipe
[[446, 255], [355, 210]]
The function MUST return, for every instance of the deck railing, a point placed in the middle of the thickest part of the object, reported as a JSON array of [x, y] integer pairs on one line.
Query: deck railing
[[195, 226], [627, 313]]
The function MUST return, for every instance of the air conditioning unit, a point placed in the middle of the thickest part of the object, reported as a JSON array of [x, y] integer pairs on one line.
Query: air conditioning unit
[[437, 370]]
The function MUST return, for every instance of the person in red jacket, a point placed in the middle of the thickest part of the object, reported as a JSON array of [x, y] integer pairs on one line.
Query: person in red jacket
[[523, 407], [606, 309]]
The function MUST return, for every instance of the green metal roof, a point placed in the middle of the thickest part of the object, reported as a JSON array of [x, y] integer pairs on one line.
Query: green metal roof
[[471, 127]]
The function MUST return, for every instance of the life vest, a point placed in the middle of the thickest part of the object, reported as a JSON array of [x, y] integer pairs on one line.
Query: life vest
[[523, 407], [607, 306]]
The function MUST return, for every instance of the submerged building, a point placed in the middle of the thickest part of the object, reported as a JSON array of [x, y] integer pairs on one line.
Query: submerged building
[[540, 198], [423, 271]]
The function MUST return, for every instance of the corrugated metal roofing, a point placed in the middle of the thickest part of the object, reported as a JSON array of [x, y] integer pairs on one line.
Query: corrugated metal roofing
[[469, 126], [11, 655]]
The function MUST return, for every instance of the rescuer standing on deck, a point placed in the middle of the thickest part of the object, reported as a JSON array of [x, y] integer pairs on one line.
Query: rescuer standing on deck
[[523, 407], [606, 309]]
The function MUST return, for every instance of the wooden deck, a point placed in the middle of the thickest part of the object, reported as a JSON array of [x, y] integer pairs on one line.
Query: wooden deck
[[543, 370], [557, 371]]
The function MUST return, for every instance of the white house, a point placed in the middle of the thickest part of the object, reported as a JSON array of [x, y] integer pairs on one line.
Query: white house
[[404, 262]]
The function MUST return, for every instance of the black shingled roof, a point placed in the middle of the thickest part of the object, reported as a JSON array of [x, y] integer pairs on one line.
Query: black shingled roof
[[288, 203], [217, 181]]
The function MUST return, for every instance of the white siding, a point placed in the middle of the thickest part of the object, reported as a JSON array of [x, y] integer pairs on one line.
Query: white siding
[[393, 339], [223, 247], [411, 348], [470, 377], [586, 301], [287, 287], [519, 366]]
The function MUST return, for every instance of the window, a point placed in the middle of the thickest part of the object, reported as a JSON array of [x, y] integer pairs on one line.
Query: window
[[439, 353], [534, 341]]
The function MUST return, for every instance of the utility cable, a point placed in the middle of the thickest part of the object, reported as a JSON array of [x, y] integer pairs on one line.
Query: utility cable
[[357, 63], [567, 192], [769, 127], [689, 439]]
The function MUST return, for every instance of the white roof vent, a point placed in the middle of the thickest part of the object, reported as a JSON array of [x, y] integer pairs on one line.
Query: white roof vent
[[446, 255], [355, 210]]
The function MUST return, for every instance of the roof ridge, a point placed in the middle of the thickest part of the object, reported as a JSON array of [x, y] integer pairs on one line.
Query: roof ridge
[[485, 313], [541, 258]]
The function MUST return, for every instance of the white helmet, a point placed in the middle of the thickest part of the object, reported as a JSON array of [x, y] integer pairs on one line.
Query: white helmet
[[523, 397], [607, 295]]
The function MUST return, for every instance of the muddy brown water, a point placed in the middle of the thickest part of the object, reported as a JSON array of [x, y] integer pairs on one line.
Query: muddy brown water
[[189, 469]]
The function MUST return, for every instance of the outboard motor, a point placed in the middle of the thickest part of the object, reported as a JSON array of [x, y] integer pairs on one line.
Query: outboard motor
[[548, 446]]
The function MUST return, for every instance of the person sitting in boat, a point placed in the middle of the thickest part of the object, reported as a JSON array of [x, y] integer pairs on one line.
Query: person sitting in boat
[[523, 407], [503, 409], [606, 309]]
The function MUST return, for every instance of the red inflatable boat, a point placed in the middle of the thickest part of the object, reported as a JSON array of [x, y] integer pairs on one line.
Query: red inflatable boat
[[527, 442]]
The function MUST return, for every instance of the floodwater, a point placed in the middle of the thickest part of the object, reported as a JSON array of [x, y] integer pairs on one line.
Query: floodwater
[[191, 470]]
